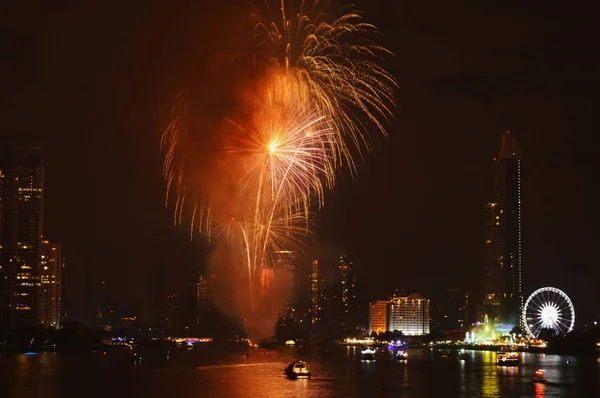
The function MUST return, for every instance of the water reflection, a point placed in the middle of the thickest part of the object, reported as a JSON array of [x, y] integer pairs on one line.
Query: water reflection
[[224, 373], [489, 383], [540, 390]]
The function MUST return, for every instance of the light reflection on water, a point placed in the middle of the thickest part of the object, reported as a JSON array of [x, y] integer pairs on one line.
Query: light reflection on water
[[489, 382], [224, 372]]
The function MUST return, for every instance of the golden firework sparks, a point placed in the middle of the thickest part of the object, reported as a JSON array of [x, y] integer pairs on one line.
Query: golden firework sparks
[[321, 85]]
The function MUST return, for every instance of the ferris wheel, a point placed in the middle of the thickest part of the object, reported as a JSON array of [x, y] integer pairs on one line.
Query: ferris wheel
[[548, 308]]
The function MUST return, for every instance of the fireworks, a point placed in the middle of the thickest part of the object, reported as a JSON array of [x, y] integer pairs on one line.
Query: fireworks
[[331, 65], [320, 84]]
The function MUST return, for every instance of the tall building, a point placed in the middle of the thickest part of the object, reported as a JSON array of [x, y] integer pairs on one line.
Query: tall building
[[51, 284], [509, 231], [342, 300], [201, 297], [348, 284], [351, 306], [315, 295], [285, 277], [21, 222], [493, 282], [494, 285], [409, 315], [378, 316]]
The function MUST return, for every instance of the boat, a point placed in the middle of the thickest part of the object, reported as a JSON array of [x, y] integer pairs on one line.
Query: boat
[[447, 354], [507, 359], [368, 354], [538, 376], [402, 355], [297, 370], [463, 356]]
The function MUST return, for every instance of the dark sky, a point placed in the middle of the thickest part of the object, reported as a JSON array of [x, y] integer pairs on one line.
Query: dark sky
[[92, 82]]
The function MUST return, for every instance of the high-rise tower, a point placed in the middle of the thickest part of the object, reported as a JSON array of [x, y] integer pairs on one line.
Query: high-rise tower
[[509, 227], [21, 215], [51, 284], [315, 295], [493, 284]]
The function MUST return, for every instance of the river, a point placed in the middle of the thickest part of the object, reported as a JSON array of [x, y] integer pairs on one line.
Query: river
[[219, 371]]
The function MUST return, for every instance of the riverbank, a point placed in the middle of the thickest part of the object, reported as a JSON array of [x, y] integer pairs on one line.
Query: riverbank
[[575, 351]]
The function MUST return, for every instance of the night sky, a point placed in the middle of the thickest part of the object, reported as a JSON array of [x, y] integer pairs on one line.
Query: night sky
[[92, 82]]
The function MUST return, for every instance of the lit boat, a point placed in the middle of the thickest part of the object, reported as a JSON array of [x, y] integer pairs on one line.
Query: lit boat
[[290, 343], [447, 354], [463, 356], [368, 354], [402, 355], [507, 359], [297, 370], [538, 376]]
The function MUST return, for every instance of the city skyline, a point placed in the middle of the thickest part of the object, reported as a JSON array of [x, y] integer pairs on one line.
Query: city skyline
[[430, 178], [502, 234], [30, 266]]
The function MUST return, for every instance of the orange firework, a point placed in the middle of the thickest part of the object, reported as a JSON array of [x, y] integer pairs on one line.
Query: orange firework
[[321, 82]]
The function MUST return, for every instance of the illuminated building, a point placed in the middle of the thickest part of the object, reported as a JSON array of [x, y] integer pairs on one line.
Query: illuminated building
[[315, 295], [51, 283], [21, 215], [202, 298], [378, 316], [508, 196], [342, 304], [350, 304], [409, 315], [493, 283], [347, 288], [285, 273]]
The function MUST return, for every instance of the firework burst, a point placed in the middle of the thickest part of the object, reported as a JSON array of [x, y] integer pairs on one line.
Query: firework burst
[[319, 85], [333, 64]]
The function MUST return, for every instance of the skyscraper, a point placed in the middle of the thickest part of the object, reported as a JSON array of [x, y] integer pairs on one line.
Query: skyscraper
[[315, 295], [493, 284], [21, 216], [343, 308], [350, 306], [503, 257], [286, 278], [51, 284]]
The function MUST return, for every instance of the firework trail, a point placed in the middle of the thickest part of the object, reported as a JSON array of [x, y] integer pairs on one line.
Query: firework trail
[[319, 84]]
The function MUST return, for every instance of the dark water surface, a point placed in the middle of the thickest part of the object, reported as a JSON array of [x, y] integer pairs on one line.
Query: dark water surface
[[215, 371]]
